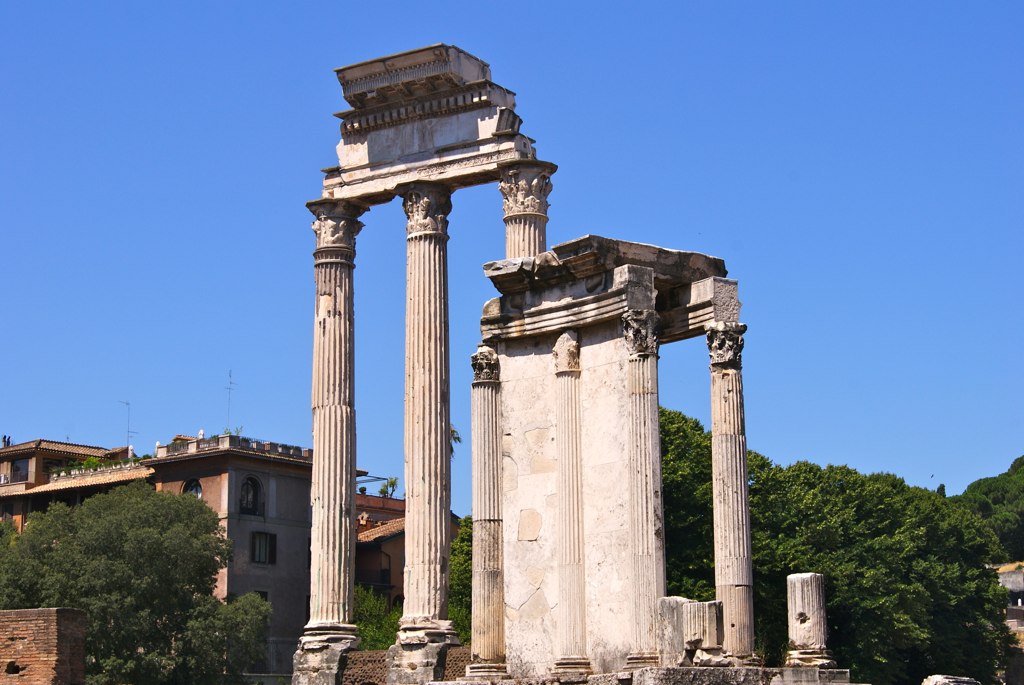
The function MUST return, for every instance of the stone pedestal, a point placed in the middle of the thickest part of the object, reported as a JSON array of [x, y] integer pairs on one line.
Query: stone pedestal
[[733, 564], [808, 626], [330, 632], [488, 580], [572, 661], [524, 189], [640, 328]]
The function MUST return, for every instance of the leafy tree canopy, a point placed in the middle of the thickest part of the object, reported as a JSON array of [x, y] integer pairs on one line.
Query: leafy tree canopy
[[142, 565], [908, 590], [1000, 501]]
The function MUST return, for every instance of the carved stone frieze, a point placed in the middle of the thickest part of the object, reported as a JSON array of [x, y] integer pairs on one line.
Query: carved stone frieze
[[566, 352], [525, 189], [426, 207], [725, 344], [337, 223], [485, 364], [641, 328]]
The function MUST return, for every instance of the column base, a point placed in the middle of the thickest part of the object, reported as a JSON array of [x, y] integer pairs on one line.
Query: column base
[[486, 671], [822, 658], [420, 651], [572, 669], [642, 660], [323, 653]]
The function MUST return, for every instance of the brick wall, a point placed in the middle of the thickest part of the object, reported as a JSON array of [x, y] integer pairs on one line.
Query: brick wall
[[364, 668], [42, 647]]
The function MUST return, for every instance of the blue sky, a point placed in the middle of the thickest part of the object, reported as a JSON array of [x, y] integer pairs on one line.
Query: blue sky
[[859, 166]]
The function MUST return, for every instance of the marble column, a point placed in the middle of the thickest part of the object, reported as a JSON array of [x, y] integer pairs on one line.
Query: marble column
[[330, 631], [646, 535], [427, 415], [571, 649], [808, 627], [488, 578], [524, 190], [733, 565]]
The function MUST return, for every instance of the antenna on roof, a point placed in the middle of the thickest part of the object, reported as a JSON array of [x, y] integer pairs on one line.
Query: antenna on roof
[[229, 387], [129, 432]]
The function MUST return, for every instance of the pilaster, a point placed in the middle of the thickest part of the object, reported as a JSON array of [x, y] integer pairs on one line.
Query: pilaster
[[572, 660]]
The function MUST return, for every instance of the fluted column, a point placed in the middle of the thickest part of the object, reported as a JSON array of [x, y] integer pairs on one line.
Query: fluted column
[[733, 565], [572, 599], [488, 577], [808, 627], [524, 189], [427, 422], [640, 328], [330, 630]]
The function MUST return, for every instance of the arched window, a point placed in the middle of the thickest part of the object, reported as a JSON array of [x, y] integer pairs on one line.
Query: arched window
[[193, 487], [251, 500]]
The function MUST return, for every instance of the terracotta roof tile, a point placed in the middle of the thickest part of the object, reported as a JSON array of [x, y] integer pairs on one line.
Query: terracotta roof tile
[[56, 446], [384, 530], [93, 478]]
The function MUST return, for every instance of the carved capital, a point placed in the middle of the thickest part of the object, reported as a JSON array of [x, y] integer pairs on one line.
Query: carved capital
[[485, 364], [725, 344], [641, 328], [566, 353], [337, 224], [525, 188], [427, 206]]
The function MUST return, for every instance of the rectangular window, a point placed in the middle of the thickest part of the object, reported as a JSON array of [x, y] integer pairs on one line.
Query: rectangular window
[[263, 548], [19, 470]]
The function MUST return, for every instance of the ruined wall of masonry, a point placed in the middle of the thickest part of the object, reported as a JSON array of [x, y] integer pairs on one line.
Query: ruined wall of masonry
[[42, 647], [532, 501]]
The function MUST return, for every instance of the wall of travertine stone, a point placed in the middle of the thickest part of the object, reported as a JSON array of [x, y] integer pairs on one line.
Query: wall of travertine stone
[[42, 647], [370, 667], [531, 501]]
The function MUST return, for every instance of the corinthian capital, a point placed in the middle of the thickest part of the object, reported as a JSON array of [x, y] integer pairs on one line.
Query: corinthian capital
[[725, 344], [525, 188], [641, 328], [337, 223], [485, 364], [566, 352], [426, 208]]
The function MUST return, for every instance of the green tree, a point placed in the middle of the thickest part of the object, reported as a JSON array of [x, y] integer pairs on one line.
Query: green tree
[[142, 565], [1000, 501], [460, 580], [377, 623], [909, 592]]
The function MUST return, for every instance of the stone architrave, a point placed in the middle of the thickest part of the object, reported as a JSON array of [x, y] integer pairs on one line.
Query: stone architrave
[[524, 190], [488, 580], [640, 328], [572, 660], [808, 626], [330, 632], [424, 629], [733, 563]]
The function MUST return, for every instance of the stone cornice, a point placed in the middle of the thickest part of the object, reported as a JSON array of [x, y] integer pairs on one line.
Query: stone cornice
[[465, 98]]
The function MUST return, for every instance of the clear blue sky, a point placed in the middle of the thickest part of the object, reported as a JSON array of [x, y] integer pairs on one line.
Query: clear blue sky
[[859, 166]]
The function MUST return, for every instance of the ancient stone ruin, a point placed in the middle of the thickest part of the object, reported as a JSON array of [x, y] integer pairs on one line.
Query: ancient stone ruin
[[568, 550]]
